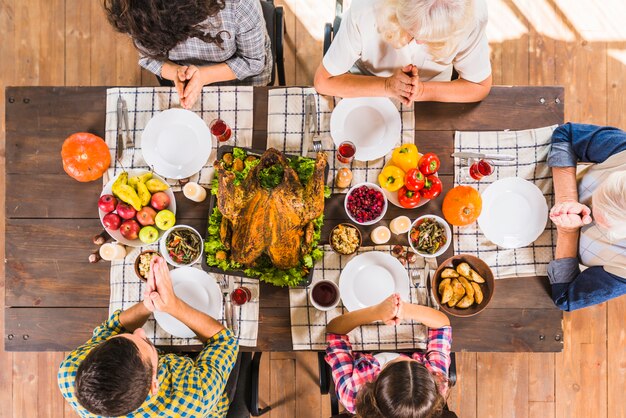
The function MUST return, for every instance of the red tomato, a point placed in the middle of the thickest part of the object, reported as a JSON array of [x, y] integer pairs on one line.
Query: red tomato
[[414, 180], [432, 187], [408, 198], [429, 164]]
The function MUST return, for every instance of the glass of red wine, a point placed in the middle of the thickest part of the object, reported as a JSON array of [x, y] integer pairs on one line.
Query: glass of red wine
[[324, 295], [220, 130], [480, 168], [346, 152], [241, 296]]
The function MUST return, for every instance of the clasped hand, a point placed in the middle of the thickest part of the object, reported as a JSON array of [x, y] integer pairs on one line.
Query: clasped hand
[[390, 310], [570, 216], [405, 85], [159, 294], [188, 83]]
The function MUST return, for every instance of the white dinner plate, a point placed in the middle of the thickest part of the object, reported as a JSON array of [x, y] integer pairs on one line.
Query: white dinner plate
[[514, 212], [116, 235], [371, 123], [370, 278], [199, 290], [176, 143]]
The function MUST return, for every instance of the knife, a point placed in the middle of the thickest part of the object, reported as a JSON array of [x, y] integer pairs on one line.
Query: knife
[[310, 123], [479, 155], [129, 141], [431, 296], [120, 134]]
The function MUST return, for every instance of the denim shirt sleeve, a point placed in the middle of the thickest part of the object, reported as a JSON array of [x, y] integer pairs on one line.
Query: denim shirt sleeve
[[573, 290], [577, 142]]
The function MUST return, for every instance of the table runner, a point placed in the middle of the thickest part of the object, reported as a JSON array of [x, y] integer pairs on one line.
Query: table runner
[[127, 289], [232, 104], [285, 131], [530, 147], [308, 325]]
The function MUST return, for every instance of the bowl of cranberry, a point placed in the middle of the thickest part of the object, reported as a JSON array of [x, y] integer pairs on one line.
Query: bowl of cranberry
[[365, 203]]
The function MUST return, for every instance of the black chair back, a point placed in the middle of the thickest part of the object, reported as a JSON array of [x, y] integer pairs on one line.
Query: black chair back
[[274, 23]]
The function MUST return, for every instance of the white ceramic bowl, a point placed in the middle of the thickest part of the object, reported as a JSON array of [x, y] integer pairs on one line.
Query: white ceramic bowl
[[371, 186], [163, 249], [446, 228]]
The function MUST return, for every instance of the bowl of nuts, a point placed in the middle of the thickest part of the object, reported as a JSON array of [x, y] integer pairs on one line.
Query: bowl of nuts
[[142, 263]]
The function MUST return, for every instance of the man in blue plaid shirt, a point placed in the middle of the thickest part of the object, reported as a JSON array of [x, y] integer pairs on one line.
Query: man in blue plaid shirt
[[118, 372]]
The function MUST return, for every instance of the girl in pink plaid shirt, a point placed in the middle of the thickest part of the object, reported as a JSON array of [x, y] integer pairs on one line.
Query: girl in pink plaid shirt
[[391, 385]]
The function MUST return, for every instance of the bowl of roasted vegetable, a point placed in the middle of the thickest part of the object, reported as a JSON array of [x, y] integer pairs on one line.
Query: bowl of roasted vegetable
[[181, 246], [430, 236], [463, 285]]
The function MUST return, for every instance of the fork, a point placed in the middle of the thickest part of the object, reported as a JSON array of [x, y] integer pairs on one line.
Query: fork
[[317, 144], [228, 307]]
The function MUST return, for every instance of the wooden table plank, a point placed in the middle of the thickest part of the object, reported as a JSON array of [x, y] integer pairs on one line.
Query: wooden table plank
[[514, 108]]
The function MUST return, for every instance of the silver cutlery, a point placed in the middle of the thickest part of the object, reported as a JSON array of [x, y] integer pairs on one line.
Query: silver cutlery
[[129, 140], [480, 155], [120, 128], [431, 298], [228, 306], [311, 137]]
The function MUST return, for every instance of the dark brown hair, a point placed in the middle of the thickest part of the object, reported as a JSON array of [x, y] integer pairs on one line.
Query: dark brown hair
[[113, 379], [157, 26], [403, 389]]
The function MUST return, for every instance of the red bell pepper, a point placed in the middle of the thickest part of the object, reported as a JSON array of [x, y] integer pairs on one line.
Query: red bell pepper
[[414, 180], [432, 187], [429, 164], [408, 198]]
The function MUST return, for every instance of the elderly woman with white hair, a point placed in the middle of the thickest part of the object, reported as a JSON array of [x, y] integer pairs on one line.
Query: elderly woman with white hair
[[590, 215], [406, 49]]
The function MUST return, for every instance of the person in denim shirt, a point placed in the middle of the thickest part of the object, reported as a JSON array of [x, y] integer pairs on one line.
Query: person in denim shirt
[[598, 239]]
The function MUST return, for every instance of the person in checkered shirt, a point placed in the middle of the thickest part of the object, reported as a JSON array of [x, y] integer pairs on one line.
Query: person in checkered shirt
[[118, 372], [196, 43], [391, 385]]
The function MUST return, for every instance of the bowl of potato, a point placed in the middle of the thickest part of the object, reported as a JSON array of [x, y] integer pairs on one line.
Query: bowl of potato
[[463, 285]]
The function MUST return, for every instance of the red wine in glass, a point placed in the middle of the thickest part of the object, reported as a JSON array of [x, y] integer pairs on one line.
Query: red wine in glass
[[324, 294], [220, 130], [346, 151], [241, 296], [480, 169]]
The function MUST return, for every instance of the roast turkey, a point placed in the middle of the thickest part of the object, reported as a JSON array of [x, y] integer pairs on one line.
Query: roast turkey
[[277, 221]]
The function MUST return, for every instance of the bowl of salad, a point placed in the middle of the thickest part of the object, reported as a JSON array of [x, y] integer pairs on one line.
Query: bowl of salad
[[181, 246], [430, 236]]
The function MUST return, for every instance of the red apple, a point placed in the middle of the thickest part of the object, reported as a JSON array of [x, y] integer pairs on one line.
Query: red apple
[[111, 221], [160, 200], [146, 216], [107, 203], [130, 229], [125, 211]]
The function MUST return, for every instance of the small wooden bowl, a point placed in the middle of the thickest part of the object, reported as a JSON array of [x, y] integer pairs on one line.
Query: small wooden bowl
[[347, 225], [481, 268], [137, 262]]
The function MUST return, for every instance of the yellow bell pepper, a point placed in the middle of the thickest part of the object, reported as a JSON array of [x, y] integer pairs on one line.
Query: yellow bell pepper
[[405, 157], [391, 178]]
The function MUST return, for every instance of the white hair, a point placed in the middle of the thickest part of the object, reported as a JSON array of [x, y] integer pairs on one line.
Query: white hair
[[440, 24], [609, 200]]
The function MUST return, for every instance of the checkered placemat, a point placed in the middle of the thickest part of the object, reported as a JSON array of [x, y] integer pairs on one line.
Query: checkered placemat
[[531, 149], [308, 325], [231, 104], [285, 131], [127, 289]]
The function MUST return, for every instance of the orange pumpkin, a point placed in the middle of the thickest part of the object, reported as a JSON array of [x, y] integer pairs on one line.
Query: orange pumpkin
[[462, 205], [85, 156]]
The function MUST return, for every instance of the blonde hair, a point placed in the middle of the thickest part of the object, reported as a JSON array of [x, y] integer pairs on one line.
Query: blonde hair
[[609, 199], [440, 24]]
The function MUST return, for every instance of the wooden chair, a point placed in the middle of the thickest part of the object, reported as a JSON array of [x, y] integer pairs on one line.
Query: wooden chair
[[331, 29], [243, 387], [327, 386], [275, 23]]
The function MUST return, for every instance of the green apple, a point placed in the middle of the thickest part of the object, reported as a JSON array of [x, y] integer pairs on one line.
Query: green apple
[[165, 219], [148, 234]]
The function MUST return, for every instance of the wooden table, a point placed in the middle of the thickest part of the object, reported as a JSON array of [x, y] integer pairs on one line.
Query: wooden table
[[54, 297]]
